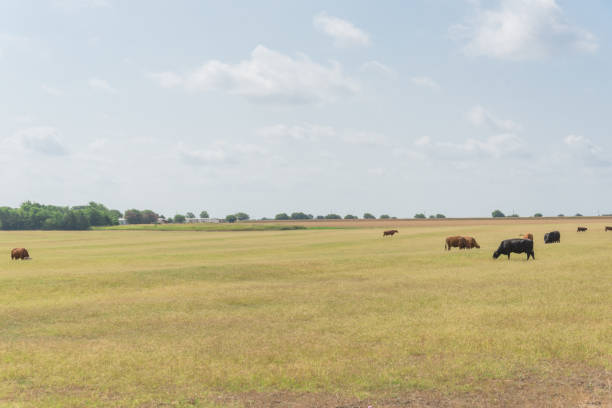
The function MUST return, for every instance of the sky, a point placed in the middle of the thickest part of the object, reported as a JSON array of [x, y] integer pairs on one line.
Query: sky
[[446, 106]]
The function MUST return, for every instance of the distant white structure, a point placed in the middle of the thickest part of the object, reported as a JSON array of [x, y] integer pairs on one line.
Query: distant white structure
[[122, 221], [201, 220]]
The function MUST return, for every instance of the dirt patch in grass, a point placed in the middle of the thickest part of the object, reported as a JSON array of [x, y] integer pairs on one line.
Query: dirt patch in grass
[[584, 389]]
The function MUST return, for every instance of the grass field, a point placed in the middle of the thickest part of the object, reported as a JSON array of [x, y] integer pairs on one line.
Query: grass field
[[330, 317]]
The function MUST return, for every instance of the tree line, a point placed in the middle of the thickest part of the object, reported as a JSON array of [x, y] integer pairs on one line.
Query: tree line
[[35, 216]]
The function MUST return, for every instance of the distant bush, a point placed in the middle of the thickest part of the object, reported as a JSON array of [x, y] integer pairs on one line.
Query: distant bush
[[440, 216], [560, 215], [204, 214], [231, 218], [190, 215], [497, 214], [514, 216], [578, 215], [420, 215], [368, 216], [432, 216], [384, 217], [242, 216], [333, 217], [350, 217], [320, 217], [300, 216], [537, 215], [179, 219], [281, 216]]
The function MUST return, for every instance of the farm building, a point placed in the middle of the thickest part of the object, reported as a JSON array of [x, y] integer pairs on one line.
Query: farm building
[[200, 220]]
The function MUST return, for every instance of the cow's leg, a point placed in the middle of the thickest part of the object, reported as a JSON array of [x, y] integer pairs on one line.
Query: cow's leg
[[508, 256]]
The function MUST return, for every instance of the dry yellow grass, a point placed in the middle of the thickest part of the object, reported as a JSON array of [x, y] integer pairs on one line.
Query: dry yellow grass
[[139, 318]]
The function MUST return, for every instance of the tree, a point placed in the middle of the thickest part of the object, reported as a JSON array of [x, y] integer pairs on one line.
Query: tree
[[281, 216], [204, 214], [497, 214], [179, 219], [148, 217], [190, 215], [384, 217], [299, 216], [578, 215], [333, 217], [242, 216], [320, 217], [440, 216], [419, 215], [537, 214], [231, 218], [350, 217], [368, 216], [133, 216]]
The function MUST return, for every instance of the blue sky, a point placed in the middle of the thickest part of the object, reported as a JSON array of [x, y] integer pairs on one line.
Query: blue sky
[[458, 107]]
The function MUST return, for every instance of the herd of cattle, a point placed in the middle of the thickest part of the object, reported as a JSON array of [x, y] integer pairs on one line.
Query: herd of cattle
[[522, 245]]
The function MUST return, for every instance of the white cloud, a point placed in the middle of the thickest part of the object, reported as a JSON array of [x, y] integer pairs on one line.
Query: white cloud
[[51, 90], [378, 68], [343, 32], [426, 82], [11, 41], [219, 152], [423, 141], [167, 79], [493, 147], [40, 139], [364, 138], [585, 150], [268, 76], [522, 29], [313, 133], [101, 85], [306, 132], [481, 117]]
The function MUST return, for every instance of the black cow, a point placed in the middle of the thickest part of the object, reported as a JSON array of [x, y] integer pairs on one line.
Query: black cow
[[517, 245], [552, 237]]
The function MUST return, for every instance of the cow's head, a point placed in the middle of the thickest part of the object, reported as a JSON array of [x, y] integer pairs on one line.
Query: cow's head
[[496, 254]]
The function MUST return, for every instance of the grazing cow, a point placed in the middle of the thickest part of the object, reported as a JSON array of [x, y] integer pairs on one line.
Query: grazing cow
[[471, 243], [20, 253], [608, 229], [552, 237], [456, 241], [390, 233], [518, 246], [528, 235], [581, 229]]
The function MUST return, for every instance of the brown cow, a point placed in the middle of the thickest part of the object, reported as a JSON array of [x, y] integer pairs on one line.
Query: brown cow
[[390, 233], [20, 253], [608, 229], [528, 235], [471, 243], [581, 229], [456, 241]]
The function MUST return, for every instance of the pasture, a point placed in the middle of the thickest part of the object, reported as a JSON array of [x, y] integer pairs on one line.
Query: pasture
[[315, 317]]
